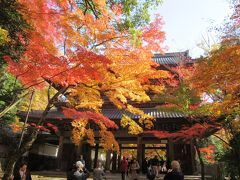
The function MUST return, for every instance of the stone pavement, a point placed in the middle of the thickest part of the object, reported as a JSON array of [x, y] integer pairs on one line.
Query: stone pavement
[[109, 176], [55, 175]]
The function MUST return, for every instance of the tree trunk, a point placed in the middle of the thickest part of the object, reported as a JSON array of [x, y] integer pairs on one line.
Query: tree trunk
[[8, 171], [200, 159], [16, 154], [238, 171], [236, 149]]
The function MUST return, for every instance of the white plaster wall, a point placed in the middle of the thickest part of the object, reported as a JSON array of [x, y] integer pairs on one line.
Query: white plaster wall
[[45, 149]]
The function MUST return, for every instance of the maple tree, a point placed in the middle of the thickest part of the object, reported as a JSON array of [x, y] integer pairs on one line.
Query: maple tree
[[78, 50], [208, 151], [181, 97], [222, 84], [217, 77]]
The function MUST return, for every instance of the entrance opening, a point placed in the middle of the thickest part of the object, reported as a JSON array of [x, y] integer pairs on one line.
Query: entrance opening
[[159, 150], [129, 151]]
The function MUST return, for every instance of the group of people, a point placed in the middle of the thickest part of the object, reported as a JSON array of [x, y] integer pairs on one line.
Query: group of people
[[129, 168], [153, 167], [172, 174], [158, 166], [80, 172]]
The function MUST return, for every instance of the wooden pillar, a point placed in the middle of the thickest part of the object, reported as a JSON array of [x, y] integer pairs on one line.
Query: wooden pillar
[[87, 153], [68, 157], [96, 155], [193, 157], [139, 151], [170, 150], [114, 161], [119, 157], [108, 160], [79, 150], [60, 153], [118, 162], [143, 155]]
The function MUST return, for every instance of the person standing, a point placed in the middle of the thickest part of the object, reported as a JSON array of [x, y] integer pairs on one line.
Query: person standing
[[80, 172], [175, 173], [98, 173], [80, 159], [23, 173], [124, 168], [145, 166], [150, 173], [155, 165], [129, 164], [134, 167], [164, 167]]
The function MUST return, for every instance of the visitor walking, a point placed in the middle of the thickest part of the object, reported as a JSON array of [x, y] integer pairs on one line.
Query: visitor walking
[[23, 173], [124, 168], [129, 164], [175, 173], [145, 166], [70, 172], [151, 173], [155, 165], [164, 168], [134, 167], [98, 173]]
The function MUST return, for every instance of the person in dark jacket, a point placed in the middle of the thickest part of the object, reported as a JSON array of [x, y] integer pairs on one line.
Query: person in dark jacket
[[155, 165], [145, 166], [70, 172], [80, 172], [23, 173], [175, 173], [151, 173]]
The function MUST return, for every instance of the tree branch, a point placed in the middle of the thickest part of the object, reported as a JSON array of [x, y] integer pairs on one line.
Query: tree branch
[[48, 93], [222, 140], [95, 45], [50, 103], [26, 119], [8, 108]]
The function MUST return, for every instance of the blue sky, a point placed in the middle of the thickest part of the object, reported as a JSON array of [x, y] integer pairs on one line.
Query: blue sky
[[187, 22]]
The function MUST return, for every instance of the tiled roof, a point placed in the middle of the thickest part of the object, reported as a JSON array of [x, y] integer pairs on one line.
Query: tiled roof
[[171, 58], [117, 114], [111, 114]]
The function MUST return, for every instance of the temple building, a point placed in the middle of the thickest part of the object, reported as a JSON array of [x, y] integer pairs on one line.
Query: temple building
[[61, 153]]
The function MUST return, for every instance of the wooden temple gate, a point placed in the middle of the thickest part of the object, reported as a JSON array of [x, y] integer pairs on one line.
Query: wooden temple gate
[[140, 145]]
